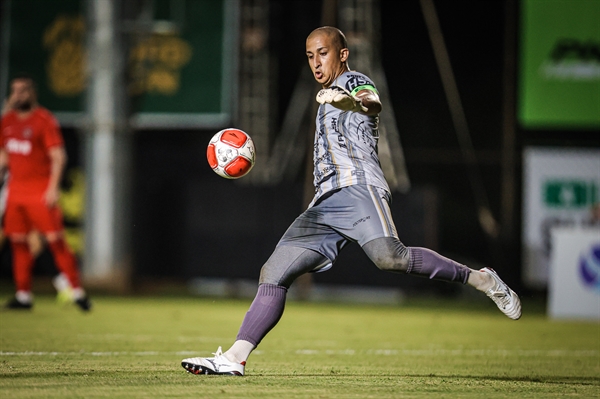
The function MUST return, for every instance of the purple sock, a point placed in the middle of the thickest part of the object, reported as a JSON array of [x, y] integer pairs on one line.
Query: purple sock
[[264, 313], [427, 263]]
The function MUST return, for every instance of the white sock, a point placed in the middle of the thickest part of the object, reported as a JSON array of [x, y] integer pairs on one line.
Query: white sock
[[480, 280], [24, 296], [78, 293], [239, 351], [61, 283]]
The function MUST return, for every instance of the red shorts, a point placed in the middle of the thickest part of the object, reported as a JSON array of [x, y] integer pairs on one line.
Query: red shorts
[[22, 216]]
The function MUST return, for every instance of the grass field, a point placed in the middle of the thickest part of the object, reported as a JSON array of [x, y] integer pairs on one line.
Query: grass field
[[131, 347]]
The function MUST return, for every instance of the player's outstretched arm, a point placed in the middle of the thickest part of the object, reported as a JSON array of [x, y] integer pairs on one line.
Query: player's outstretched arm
[[365, 101]]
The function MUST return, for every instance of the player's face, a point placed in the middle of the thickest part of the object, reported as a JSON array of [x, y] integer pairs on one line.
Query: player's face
[[325, 59], [22, 95]]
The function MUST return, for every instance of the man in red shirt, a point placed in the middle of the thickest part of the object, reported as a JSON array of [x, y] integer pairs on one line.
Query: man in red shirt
[[32, 151]]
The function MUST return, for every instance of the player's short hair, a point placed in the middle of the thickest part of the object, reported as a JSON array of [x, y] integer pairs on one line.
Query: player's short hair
[[24, 76], [337, 36]]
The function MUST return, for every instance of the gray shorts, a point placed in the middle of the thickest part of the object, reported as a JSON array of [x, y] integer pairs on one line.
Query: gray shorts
[[357, 213]]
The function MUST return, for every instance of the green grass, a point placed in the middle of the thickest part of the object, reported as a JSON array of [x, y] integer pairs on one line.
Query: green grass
[[131, 348]]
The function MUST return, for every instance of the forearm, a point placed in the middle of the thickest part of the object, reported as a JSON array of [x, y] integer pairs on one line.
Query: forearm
[[370, 101], [3, 164], [57, 165]]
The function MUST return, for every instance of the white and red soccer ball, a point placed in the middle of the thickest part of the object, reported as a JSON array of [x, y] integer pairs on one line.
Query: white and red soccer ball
[[230, 153]]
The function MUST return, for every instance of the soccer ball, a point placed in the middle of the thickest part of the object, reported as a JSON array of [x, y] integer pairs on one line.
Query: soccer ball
[[230, 153]]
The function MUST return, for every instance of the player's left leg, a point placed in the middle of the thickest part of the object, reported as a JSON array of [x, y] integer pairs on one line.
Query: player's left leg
[[63, 257], [377, 235], [389, 254], [49, 222], [66, 262]]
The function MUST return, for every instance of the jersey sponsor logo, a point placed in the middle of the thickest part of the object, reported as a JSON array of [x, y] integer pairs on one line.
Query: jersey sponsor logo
[[15, 146], [355, 81]]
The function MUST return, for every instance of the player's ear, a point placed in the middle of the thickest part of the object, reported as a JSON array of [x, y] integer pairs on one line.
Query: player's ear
[[344, 54]]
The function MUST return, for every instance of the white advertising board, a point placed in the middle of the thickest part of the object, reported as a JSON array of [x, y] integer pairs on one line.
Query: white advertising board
[[574, 287], [560, 187]]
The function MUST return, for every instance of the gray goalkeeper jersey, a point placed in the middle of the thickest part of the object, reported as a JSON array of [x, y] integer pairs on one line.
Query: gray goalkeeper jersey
[[345, 148]]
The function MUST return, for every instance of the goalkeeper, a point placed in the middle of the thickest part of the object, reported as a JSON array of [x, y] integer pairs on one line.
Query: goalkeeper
[[351, 204]]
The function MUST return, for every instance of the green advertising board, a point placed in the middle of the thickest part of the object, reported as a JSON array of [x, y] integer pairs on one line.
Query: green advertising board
[[570, 193], [559, 74], [181, 76], [48, 44]]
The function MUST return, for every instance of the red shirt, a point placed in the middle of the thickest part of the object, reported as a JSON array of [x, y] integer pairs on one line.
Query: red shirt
[[27, 142]]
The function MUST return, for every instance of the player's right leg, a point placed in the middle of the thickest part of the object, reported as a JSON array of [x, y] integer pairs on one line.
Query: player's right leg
[[22, 264], [283, 267], [16, 227]]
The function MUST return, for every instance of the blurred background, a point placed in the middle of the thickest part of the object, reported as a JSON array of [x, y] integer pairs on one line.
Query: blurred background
[[490, 131]]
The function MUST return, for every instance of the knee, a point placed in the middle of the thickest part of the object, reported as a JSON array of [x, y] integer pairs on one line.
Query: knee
[[271, 273], [394, 259], [268, 276]]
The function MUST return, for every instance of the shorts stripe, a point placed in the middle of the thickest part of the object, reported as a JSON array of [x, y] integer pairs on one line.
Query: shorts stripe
[[385, 216]]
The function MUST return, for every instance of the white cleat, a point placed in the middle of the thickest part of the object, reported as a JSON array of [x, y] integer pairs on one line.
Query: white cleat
[[506, 299], [213, 365]]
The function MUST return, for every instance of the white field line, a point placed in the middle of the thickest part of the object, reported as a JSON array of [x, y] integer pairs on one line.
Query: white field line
[[84, 353], [346, 352], [453, 352]]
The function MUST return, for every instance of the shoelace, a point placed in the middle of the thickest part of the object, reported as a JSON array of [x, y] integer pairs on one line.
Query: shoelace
[[218, 353], [220, 358], [504, 301], [501, 295]]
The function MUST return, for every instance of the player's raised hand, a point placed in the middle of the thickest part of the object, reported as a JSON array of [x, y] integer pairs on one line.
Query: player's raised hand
[[341, 99]]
